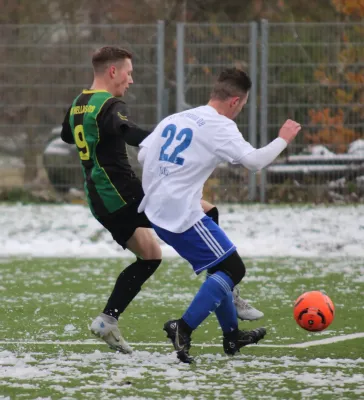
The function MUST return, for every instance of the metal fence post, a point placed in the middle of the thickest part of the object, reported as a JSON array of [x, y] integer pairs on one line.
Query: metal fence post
[[160, 70], [253, 66], [263, 101], [165, 102], [180, 67]]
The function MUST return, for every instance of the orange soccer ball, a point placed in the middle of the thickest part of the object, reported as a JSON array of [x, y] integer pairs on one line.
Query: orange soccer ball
[[314, 311]]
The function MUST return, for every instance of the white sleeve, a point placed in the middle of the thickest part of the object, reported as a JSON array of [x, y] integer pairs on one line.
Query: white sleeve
[[260, 158], [229, 143], [230, 146]]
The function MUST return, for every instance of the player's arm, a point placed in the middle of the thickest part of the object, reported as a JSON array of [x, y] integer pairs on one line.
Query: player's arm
[[238, 151], [264, 156], [116, 121], [66, 133], [260, 158]]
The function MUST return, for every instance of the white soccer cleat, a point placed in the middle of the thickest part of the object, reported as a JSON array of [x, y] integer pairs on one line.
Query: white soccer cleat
[[106, 328], [245, 311]]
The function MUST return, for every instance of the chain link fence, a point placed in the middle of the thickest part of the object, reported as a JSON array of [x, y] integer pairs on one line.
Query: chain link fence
[[311, 72], [43, 68], [315, 75]]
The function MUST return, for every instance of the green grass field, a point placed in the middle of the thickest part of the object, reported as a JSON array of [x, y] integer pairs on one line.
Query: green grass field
[[47, 352]]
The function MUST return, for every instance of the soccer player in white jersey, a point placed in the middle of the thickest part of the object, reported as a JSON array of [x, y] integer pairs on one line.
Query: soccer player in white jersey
[[178, 157]]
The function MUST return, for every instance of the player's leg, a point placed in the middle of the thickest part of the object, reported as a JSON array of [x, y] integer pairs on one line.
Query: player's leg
[[245, 311], [234, 338], [205, 246], [127, 232], [211, 297], [144, 245]]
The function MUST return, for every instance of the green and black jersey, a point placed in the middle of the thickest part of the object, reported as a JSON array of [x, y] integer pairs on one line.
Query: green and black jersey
[[98, 124]]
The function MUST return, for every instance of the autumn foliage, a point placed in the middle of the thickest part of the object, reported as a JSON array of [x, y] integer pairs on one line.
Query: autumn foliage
[[353, 8], [340, 125], [332, 130]]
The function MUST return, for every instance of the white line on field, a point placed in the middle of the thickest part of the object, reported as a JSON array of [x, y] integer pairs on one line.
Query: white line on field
[[320, 342]]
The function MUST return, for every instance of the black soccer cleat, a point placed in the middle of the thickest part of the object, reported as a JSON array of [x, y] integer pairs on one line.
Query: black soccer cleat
[[181, 340], [237, 339]]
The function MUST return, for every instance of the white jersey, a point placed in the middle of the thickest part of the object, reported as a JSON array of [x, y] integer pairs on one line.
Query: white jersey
[[179, 156]]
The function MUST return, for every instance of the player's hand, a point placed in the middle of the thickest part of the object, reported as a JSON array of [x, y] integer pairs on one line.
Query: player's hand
[[289, 130]]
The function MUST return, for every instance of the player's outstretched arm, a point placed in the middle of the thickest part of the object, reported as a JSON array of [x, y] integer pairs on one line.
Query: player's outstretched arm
[[115, 121], [289, 130], [133, 135], [260, 158]]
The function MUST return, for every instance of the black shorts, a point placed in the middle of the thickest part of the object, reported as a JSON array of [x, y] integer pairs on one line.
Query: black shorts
[[123, 223]]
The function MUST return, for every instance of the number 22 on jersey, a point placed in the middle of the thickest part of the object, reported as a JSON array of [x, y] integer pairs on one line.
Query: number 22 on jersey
[[81, 143], [184, 137]]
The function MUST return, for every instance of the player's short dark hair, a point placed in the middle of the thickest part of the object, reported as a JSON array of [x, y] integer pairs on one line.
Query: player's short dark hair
[[104, 56], [231, 82]]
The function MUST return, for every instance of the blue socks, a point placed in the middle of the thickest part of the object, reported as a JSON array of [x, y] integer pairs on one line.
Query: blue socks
[[226, 314], [215, 294]]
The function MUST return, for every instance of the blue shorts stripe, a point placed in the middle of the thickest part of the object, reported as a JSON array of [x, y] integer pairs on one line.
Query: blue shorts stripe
[[212, 238], [208, 235], [204, 245], [207, 241]]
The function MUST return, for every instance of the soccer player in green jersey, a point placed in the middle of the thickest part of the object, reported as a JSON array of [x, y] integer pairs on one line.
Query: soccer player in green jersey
[[98, 123]]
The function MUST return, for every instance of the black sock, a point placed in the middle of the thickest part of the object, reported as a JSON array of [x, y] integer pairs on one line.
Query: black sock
[[214, 214], [233, 335], [185, 327], [128, 285]]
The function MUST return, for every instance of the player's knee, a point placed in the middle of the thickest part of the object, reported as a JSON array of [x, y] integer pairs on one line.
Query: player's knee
[[232, 266], [150, 249], [152, 252]]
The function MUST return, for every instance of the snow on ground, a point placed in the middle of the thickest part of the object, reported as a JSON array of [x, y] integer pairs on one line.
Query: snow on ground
[[257, 231], [111, 373]]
